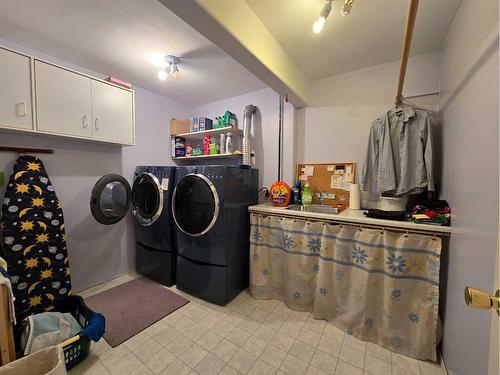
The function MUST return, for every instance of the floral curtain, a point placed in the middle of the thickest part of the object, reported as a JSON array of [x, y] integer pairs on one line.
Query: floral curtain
[[379, 286]]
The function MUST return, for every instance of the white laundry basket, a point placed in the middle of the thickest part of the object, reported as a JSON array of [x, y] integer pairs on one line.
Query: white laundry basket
[[48, 361]]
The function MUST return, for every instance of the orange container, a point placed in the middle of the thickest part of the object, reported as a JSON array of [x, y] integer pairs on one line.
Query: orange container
[[280, 194]]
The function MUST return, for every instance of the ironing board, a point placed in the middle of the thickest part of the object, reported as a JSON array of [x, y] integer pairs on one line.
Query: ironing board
[[34, 239]]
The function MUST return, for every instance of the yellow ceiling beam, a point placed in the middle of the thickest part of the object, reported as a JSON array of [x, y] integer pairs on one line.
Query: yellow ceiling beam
[[236, 29]]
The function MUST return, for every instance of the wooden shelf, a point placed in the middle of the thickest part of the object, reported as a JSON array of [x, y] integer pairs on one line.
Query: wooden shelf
[[228, 129], [217, 156]]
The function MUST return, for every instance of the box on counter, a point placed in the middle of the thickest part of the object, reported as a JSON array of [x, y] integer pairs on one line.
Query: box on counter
[[178, 126], [194, 125], [119, 82], [199, 124], [205, 123], [178, 147]]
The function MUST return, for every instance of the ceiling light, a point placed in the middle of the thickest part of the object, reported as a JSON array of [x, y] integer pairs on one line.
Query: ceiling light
[[170, 67], [320, 22], [318, 25], [175, 70], [346, 10], [162, 74]]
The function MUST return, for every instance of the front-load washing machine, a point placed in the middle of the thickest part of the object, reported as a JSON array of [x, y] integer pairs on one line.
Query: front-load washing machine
[[210, 210], [150, 199]]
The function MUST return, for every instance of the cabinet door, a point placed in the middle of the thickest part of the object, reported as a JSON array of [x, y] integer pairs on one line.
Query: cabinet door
[[112, 113], [15, 91], [63, 101]]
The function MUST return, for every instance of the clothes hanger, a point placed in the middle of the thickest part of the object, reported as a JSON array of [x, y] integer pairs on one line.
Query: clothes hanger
[[405, 101]]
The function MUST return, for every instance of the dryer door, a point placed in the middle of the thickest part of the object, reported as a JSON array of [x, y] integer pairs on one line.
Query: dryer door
[[147, 198], [195, 204], [110, 199]]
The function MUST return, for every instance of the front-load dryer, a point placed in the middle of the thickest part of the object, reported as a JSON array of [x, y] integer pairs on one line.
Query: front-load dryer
[[150, 199], [210, 210]]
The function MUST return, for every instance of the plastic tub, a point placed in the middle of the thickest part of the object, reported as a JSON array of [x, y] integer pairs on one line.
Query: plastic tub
[[392, 204], [368, 200], [76, 350], [48, 361]]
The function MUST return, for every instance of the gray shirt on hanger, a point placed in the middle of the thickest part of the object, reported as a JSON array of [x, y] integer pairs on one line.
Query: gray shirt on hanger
[[399, 158]]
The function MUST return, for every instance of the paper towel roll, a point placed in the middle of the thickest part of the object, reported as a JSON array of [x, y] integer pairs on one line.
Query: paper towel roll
[[354, 197]]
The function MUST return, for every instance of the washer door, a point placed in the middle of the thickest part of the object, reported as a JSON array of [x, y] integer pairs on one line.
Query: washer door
[[195, 204], [110, 199], [147, 199]]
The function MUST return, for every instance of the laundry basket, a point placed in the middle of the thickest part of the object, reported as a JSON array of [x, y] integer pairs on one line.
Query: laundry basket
[[78, 347], [48, 361]]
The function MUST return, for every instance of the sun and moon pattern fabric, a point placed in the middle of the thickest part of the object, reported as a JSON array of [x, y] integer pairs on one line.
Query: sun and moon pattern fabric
[[34, 239], [376, 285]]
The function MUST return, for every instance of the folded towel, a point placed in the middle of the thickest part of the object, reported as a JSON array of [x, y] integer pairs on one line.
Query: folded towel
[[5, 280], [3, 264], [387, 215], [95, 327], [47, 329]]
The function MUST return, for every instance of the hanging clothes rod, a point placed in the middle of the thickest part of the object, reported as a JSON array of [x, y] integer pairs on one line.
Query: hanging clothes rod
[[410, 24], [420, 95], [360, 226], [26, 150]]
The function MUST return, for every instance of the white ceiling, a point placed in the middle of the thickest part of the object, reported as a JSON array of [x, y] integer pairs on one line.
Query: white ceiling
[[124, 39], [372, 34]]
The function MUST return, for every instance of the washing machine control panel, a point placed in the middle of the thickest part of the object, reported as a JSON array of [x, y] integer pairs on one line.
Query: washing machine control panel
[[214, 176]]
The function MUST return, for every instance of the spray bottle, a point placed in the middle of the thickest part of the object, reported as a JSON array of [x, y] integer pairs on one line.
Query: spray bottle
[[229, 144]]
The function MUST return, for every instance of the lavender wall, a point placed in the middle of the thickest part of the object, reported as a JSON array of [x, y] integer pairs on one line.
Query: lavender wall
[[336, 124], [98, 253], [469, 100], [264, 135]]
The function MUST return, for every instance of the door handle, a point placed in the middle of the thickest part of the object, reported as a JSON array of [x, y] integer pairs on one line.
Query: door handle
[[481, 300], [96, 124], [85, 121]]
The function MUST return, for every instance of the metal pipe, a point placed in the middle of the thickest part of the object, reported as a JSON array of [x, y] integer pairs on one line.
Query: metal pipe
[[247, 127], [280, 137]]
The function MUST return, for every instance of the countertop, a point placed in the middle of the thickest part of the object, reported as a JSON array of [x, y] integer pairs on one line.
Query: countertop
[[351, 216]]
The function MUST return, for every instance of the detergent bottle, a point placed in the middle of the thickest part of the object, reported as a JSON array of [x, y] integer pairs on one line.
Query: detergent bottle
[[306, 194]]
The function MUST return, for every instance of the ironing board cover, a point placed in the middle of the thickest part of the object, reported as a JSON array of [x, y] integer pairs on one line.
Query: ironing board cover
[[33, 234]]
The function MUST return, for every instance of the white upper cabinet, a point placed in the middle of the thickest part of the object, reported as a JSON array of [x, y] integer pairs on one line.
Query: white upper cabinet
[[15, 91], [73, 104], [63, 101], [40, 97], [112, 113]]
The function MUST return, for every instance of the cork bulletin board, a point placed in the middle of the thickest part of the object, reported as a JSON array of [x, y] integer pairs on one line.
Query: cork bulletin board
[[331, 179]]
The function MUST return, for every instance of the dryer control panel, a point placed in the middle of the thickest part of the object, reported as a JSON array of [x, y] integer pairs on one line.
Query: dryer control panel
[[214, 175]]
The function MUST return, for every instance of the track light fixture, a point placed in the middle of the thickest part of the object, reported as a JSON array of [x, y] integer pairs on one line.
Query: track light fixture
[[320, 22], [325, 11], [346, 9], [170, 67]]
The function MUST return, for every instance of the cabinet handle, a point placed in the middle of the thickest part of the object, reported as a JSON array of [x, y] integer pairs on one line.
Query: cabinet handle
[[96, 124], [21, 109], [85, 121]]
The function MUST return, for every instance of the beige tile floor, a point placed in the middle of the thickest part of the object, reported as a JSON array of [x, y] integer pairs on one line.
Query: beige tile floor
[[247, 336]]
